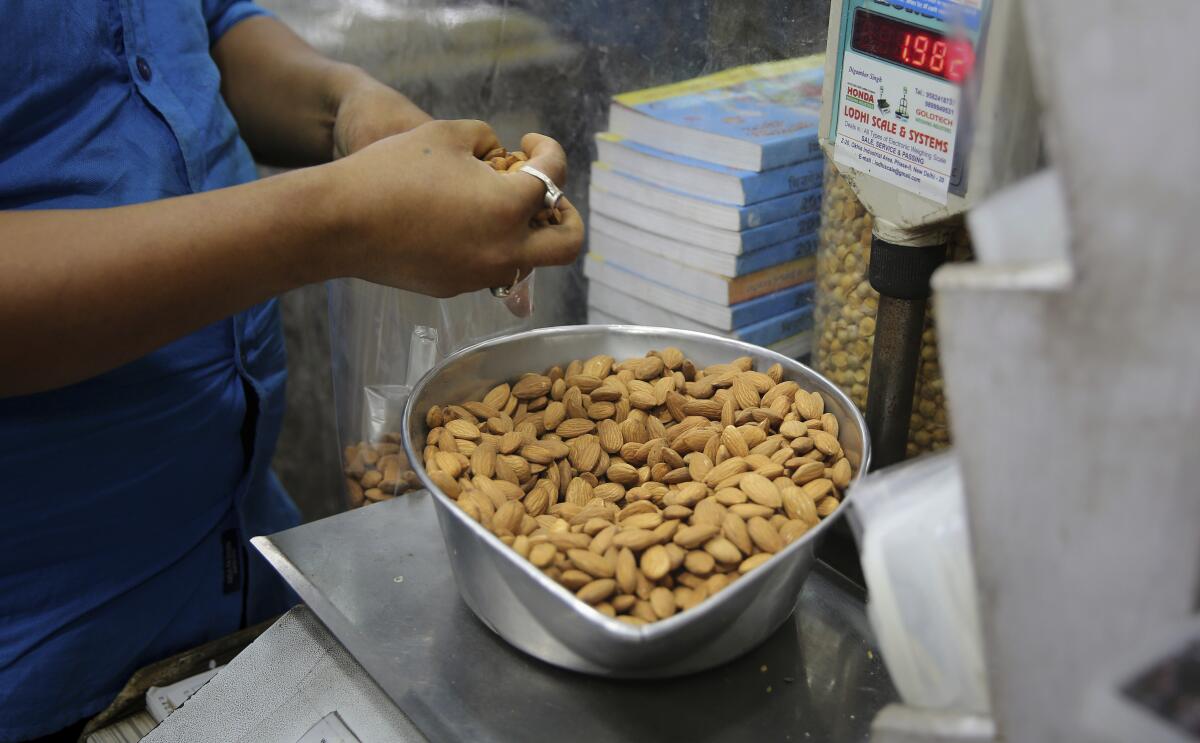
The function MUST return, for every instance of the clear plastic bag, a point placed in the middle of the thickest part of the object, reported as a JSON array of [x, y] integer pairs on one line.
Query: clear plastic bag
[[911, 525], [382, 341]]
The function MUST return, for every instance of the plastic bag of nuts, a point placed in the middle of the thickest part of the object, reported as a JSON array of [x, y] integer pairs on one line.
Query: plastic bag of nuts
[[643, 486], [377, 471], [844, 315]]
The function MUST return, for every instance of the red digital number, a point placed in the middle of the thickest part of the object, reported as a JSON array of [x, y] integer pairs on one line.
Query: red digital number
[[937, 62], [904, 49], [920, 46]]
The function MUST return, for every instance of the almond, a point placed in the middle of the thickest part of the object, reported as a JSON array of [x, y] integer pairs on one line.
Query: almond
[[808, 472], [690, 537], [643, 520], [483, 460], [598, 366], [635, 539], [710, 409], [445, 483], [481, 410], [573, 427], [699, 562], [593, 564], [531, 387], [708, 511], [568, 540], [542, 554], [760, 490], [730, 496], [729, 467], [537, 502], [750, 510], [662, 601], [825, 443], [554, 415], [622, 473], [753, 561], [675, 405], [655, 562], [732, 439], [723, 551], [508, 517], [764, 535], [609, 492], [461, 429], [510, 442], [793, 530], [579, 492], [827, 506], [597, 590], [841, 473], [798, 505], [699, 466], [626, 571], [745, 394], [818, 489], [610, 436]]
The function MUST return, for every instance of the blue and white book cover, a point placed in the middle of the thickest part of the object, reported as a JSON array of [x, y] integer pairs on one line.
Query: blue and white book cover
[[659, 196], [775, 106], [755, 186]]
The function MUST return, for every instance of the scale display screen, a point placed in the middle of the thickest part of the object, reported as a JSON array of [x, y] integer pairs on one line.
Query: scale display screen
[[912, 46]]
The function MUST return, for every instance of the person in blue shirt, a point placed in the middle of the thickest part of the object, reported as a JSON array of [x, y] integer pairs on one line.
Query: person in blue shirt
[[141, 359]]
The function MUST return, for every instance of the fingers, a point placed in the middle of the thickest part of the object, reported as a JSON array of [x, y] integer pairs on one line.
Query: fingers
[[476, 136], [546, 155], [555, 245]]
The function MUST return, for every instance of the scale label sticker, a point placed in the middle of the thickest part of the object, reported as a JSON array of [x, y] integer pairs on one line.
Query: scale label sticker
[[898, 124]]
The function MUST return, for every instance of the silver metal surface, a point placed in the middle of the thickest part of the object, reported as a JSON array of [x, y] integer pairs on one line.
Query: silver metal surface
[[379, 580], [539, 616], [553, 192]]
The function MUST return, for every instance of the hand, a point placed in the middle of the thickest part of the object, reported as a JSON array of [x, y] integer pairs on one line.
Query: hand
[[369, 111], [421, 211]]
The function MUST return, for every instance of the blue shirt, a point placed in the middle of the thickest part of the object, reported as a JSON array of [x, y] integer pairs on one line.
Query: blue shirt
[[126, 499]]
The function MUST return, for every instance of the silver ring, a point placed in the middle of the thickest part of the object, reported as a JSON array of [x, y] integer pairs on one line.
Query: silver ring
[[502, 292], [553, 192]]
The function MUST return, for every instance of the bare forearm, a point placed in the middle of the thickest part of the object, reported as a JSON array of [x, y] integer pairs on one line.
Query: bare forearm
[[84, 291], [286, 97]]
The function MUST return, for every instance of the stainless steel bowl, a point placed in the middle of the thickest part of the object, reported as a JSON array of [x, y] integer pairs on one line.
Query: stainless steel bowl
[[542, 618]]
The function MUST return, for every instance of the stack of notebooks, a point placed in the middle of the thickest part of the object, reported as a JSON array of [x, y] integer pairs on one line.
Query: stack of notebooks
[[705, 203]]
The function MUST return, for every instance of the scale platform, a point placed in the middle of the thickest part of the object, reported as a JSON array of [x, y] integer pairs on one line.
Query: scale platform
[[378, 579]]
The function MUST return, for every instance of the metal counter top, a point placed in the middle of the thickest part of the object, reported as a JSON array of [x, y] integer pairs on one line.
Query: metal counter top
[[378, 579]]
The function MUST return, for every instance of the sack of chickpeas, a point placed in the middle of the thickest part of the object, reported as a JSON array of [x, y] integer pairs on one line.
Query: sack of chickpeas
[[844, 315]]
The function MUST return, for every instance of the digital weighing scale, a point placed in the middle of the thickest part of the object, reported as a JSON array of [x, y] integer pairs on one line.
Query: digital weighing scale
[[927, 107]]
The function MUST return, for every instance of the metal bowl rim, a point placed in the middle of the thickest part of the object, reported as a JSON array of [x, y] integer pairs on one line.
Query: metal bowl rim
[[613, 627]]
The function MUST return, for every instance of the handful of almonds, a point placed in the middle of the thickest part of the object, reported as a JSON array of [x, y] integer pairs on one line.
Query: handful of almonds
[[646, 485], [503, 161]]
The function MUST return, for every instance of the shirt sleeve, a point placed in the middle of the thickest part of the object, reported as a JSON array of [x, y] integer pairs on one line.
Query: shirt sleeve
[[222, 15]]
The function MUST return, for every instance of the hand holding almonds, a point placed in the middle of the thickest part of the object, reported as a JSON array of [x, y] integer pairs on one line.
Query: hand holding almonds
[[647, 485], [503, 161]]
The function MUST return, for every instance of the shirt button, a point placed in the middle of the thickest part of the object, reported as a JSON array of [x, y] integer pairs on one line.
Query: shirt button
[[143, 68]]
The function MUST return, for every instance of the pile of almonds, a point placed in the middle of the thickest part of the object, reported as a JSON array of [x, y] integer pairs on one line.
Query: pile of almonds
[[376, 472], [510, 162], [644, 486]]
